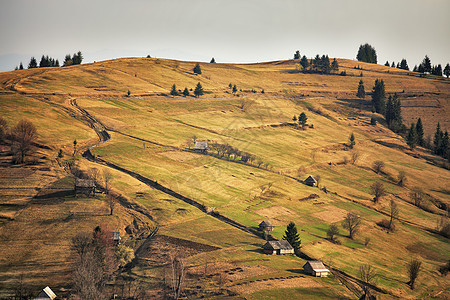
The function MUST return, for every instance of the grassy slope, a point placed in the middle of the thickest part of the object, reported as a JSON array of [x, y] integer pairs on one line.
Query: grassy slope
[[236, 190]]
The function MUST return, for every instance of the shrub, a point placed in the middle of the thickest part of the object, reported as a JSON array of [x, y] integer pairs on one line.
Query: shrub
[[373, 121]]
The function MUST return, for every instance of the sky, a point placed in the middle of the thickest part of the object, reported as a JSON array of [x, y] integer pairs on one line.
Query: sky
[[231, 31]]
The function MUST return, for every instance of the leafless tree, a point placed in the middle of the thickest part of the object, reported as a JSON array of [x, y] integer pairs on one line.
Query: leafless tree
[[393, 214], [333, 230], [111, 200], [378, 166], [82, 243], [177, 276], [401, 180], [352, 223], [3, 129], [107, 177], [413, 268], [355, 157], [23, 135], [94, 174], [368, 276], [417, 196], [378, 190]]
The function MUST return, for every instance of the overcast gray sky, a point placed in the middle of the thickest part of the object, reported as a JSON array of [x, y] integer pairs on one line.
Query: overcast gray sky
[[229, 30]]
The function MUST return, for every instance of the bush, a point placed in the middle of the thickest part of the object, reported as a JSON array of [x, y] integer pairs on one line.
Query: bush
[[373, 121]]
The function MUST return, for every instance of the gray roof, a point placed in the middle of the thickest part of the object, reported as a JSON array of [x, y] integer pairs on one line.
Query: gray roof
[[86, 183], [317, 266], [275, 245], [265, 223], [201, 145]]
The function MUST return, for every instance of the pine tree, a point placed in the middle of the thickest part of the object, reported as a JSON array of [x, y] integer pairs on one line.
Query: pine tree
[[438, 137], [447, 70], [297, 55], [393, 65], [33, 63], [186, 92], [302, 119], [174, 91], [389, 111], [367, 53], [304, 62], [68, 60], [197, 69], [411, 139], [404, 65], [57, 63], [361, 92], [325, 64], [426, 63], [387, 64], [198, 90], [234, 89], [294, 118], [352, 140], [419, 131], [415, 69], [335, 65], [213, 61], [21, 66], [378, 96], [291, 235]]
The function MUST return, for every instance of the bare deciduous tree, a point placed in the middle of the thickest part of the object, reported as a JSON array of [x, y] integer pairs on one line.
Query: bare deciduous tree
[[413, 267], [378, 166], [24, 134], [368, 276], [401, 180], [393, 214], [107, 177], [378, 190], [417, 196], [332, 231], [94, 174], [177, 275], [111, 200], [355, 157], [352, 223]]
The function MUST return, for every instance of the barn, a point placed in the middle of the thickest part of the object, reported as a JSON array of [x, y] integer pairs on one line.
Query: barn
[[266, 226], [310, 181], [84, 186], [278, 248], [201, 146], [316, 268]]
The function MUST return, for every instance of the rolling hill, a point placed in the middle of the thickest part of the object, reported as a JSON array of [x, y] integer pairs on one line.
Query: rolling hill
[[206, 207]]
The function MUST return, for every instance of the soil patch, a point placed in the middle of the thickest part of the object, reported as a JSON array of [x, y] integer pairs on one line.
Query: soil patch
[[331, 214]]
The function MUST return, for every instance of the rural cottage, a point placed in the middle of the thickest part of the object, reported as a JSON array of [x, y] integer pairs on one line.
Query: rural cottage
[[278, 248]]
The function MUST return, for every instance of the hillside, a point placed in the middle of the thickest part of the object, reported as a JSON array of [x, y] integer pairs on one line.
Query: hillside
[[207, 207]]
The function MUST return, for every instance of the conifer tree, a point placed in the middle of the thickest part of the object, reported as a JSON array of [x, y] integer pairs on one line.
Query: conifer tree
[[21, 66], [297, 55], [33, 63], [404, 65], [186, 92], [291, 235], [234, 88], [213, 61], [304, 62], [419, 131], [426, 64], [174, 91], [352, 140], [197, 69], [361, 92], [378, 96], [411, 139], [198, 90], [393, 65], [335, 65], [387, 64], [302, 119], [447, 70], [367, 53], [438, 138]]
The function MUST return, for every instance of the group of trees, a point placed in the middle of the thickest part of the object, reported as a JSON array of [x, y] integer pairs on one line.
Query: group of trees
[[441, 143], [319, 65], [47, 61], [197, 92], [302, 118], [401, 65], [226, 150], [367, 53], [393, 113], [21, 138], [426, 67], [76, 59]]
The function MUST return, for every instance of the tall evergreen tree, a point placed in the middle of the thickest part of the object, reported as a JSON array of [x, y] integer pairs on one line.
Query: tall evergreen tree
[[361, 92], [186, 92], [387, 64], [367, 53], [438, 137], [56, 63], [426, 63], [68, 60], [297, 55], [411, 139], [393, 65], [197, 69], [33, 63], [21, 66], [325, 64], [335, 65], [213, 61], [447, 70], [378, 96], [419, 131], [198, 90], [304, 62], [302, 119], [404, 65], [291, 235], [415, 69], [174, 91], [393, 113]]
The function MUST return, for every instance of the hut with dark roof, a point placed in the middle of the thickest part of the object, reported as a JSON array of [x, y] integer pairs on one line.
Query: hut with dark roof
[[316, 268], [201, 146], [310, 181], [266, 226], [278, 248], [84, 186]]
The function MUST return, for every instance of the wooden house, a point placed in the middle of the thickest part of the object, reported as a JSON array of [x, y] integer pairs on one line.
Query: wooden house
[[116, 237], [316, 268], [84, 186], [278, 248], [310, 181], [266, 226], [201, 146], [45, 294]]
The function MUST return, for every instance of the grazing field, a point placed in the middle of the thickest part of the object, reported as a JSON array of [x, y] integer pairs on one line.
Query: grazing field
[[206, 207]]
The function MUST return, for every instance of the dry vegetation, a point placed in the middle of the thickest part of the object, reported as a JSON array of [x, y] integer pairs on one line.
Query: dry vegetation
[[39, 213]]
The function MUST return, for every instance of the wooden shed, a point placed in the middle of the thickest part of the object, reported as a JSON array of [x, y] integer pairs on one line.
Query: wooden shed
[[45, 294], [116, 237], [84, 186], [266, 226], [310, 181], [278, 248], [201, 146], [316, 268]]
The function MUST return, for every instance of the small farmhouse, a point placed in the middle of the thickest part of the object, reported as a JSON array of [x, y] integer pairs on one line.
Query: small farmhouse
[[84, 186], [310, 181], [266, 226], [116, 238], [278, 248], [46, 294], [316, 268], [201, 146]]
